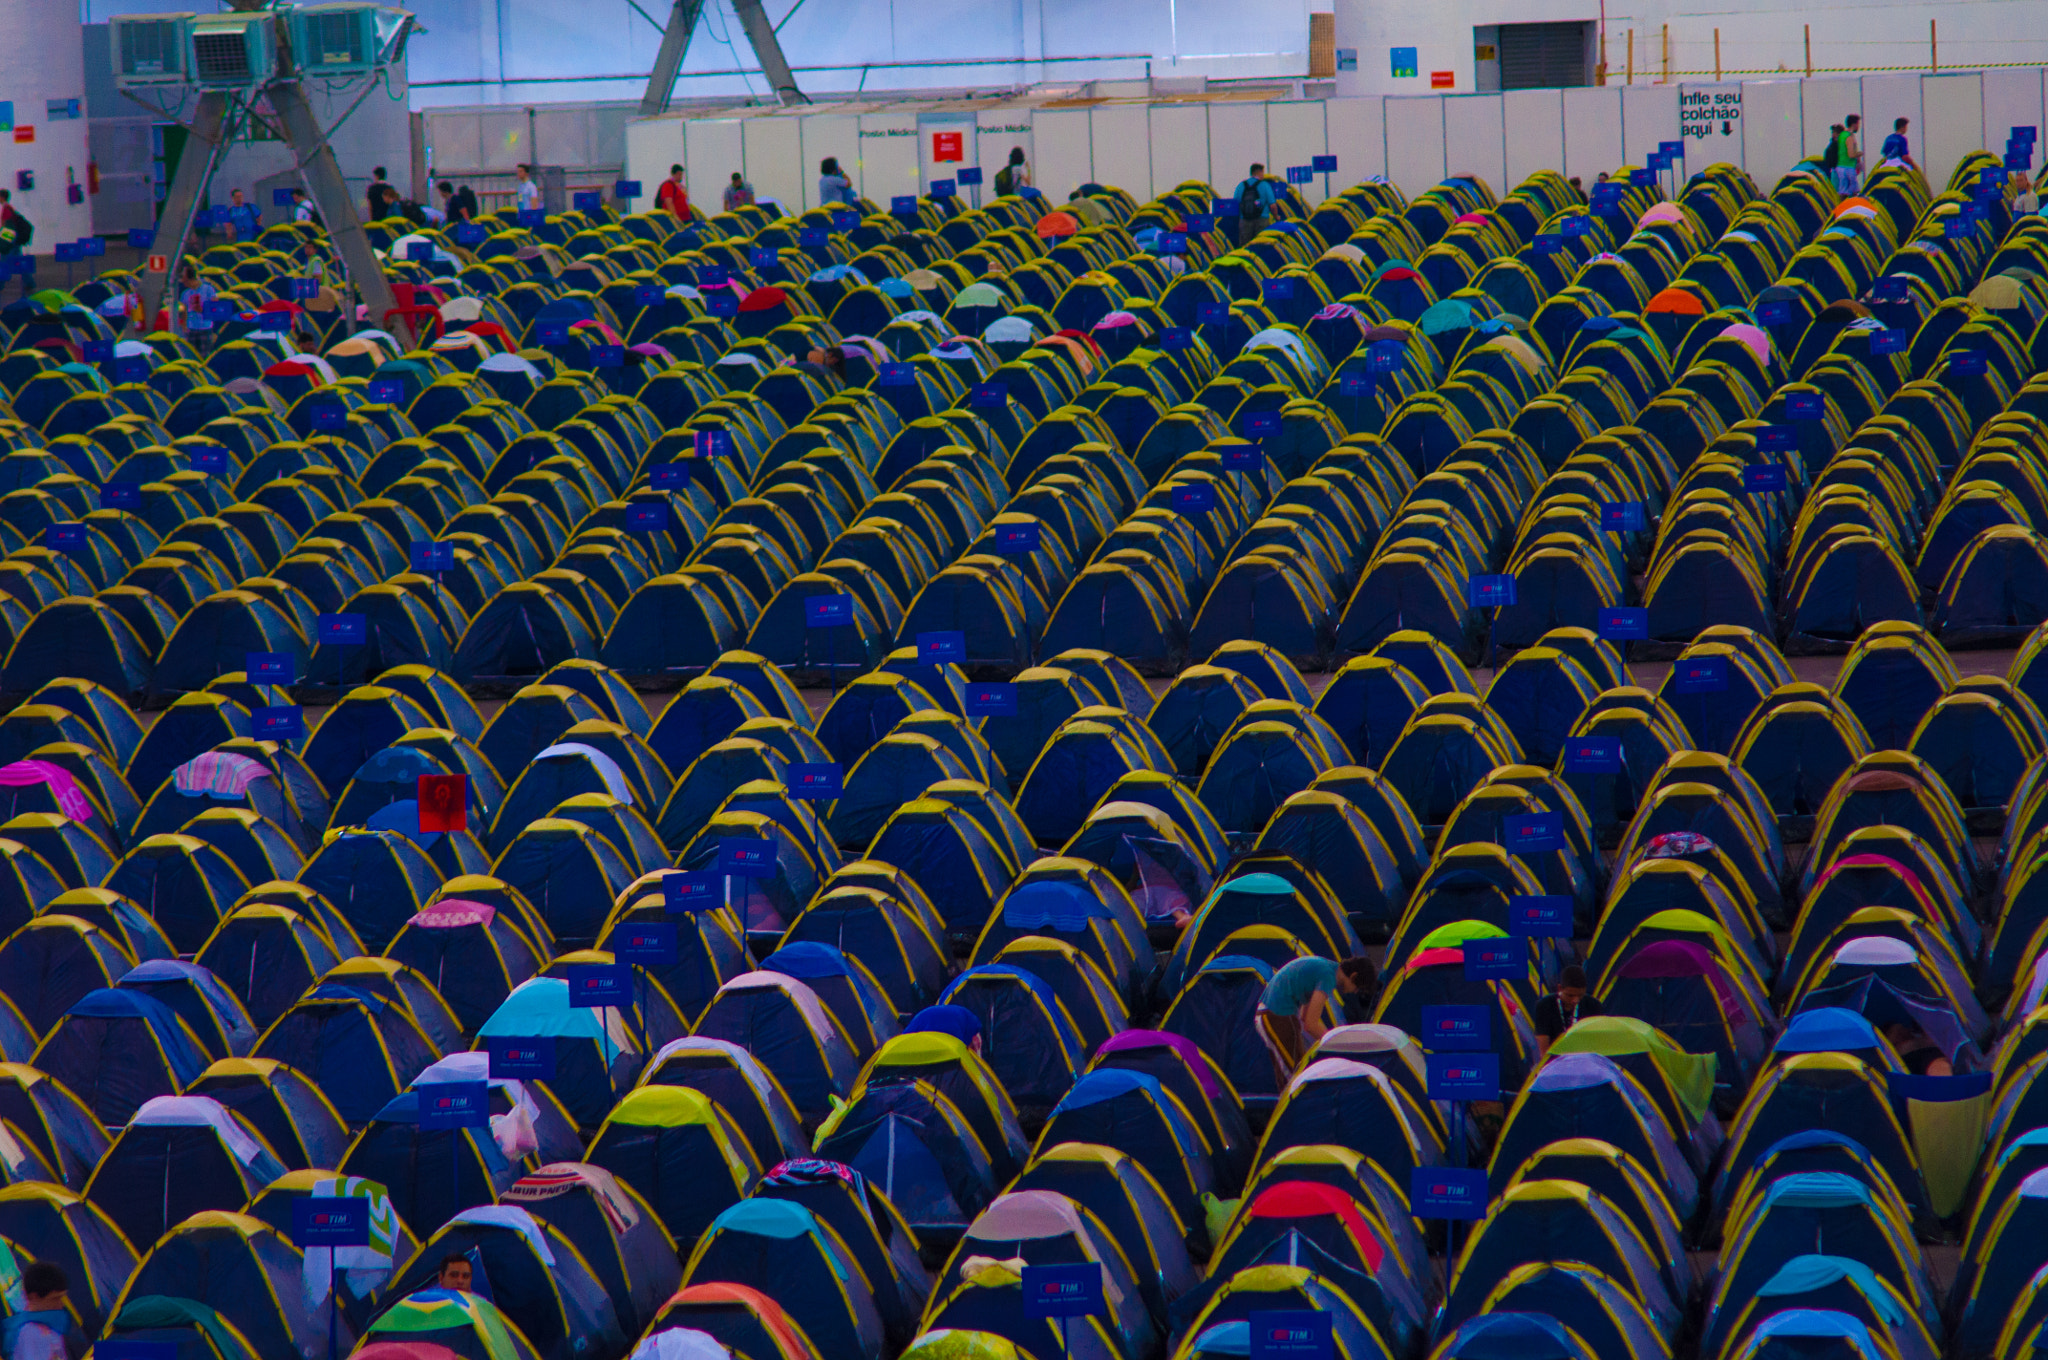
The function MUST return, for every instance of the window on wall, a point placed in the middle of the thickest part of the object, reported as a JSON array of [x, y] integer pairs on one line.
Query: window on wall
[[1546, 56]]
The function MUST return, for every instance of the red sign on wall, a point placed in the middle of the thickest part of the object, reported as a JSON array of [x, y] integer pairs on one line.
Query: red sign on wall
[[1443, 80], [946, 146]]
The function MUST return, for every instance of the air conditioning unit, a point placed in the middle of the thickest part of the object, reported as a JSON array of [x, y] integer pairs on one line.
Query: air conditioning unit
[[231, 51], [149, 49], [347, 39]]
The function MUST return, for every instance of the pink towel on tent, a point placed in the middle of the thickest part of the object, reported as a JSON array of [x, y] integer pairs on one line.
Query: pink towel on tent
[[219, 773], [70, 798]]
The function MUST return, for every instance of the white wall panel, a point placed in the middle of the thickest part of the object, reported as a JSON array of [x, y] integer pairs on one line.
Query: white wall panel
[[1886, 98], [1592, 133], [1296, 135], [1180, 144], [1534, 133], [504, 141], [1827, 100], [1358, 136], [888, 158], [711, 152], [1120, 134], [1475, 139], [652, 146], [1237, 138], [1710, 119], [1415, 143], [1953, 110], [774, 151], [828, 134], [1649, 116], [1771, 129], [1064, 160], [2011, 99]]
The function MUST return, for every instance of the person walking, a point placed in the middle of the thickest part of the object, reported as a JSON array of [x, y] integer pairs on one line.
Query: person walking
[[458, 204], [1896, 149], [525, 192], [242, 220], [738, 193], [672, 197], [1255, 197], [834, 186], [1851, 171]]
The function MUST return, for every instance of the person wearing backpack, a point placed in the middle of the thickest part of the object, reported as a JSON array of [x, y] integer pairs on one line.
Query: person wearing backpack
[[16, 231], [1014, 176], [1831, 156], [1255, 197]]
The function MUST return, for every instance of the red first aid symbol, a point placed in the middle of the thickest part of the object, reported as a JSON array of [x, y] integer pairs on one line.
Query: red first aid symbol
[[444, 802], [946, 146]]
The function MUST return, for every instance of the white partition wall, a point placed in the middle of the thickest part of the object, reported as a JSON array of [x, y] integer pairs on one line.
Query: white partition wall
[[1415, 142], [711, 152], [774, 152], [2011, 99], [1120, 134], [888, 158], [1762, 126], [1237, 139], [1826, 101], [1886, 98], [1773, 135], [1064, 159], [1649, 118], [1180, 144], [1475, 138], [1592, 134], [1533, 133], [1358, 138], [1953, 107], [1296, 135], [829, 134]]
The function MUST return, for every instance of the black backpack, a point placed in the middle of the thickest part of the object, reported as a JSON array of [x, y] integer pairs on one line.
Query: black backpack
[[1249, 204], [1832, 157], [1006, 180], [20, 230]]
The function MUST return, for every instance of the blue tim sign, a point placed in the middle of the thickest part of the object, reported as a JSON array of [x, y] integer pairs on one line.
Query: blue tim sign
[[1623, 517], [211, 460], [1064, 1291], [119, 1348], [121, 496], [278, 722], [994, 700], [65, 538], [1174, 339], [684, 893], [1763, 477], [815, 781], [1293, 1335], [1621, 623], [518, 1059], [1592, 755], [747, 857], [1533, 833], [1699, 674], [1385, 356], [1490, 592], [1195, 499], [1018, 540], [1890, 342], [1447, 1192], [600, 984], [647, 519], [939, 649], [431, 557], [650, 944], [987, 396], [828, 611], [343, 630], [269, 668], [455, 1105], [1242, 457], [1806, 406], [1464, 1076], [1456, 1029], [330, 1221], [1495, 959], [1540, 918]]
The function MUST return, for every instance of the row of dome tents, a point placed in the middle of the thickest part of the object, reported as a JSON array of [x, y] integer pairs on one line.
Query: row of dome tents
[[556, 634], [1102, 1099]]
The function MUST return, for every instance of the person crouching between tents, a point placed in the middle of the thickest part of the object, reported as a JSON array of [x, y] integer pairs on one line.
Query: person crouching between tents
[[1298, 1006], [43, 1330]]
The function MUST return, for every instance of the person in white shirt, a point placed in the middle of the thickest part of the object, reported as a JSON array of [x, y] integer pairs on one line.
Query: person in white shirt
[[527, 191]]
